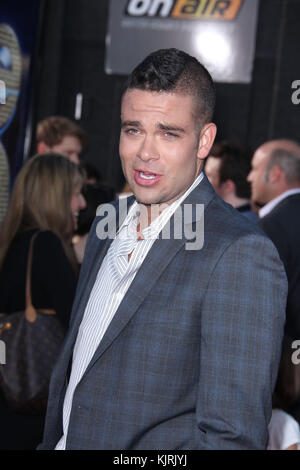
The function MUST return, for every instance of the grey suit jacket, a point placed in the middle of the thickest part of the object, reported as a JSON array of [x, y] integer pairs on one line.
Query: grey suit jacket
[[190, 358]]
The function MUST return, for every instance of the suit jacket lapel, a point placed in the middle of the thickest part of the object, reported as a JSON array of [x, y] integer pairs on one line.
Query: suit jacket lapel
[[99, 249], [154, 264]]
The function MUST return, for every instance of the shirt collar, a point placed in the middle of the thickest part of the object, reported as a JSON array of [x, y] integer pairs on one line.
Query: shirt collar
[[157, 225]]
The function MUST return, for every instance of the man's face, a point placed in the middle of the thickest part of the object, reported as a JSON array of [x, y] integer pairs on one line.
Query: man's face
[[160, 147], [70, 147], [212, 171], [260, 187]]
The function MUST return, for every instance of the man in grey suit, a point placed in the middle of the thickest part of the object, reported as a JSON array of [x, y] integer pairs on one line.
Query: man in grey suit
[[177, 323]]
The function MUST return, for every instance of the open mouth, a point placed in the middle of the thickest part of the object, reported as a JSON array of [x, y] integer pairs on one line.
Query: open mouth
[[147, 175], [146, 178]]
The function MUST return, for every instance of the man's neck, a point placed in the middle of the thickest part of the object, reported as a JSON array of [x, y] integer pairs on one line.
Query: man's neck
[[236, 201], [283, 189], [148, 213], [275, 200]]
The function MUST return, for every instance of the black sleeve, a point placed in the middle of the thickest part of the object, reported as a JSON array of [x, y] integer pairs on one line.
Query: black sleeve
[[53, 278], [279, 237], [286, 248]]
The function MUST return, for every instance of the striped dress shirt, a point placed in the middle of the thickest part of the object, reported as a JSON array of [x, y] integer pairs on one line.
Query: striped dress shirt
[[113, 280]]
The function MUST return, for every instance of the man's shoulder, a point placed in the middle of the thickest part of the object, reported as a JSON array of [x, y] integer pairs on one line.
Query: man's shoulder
[[286, 208], [222, 223], [228, 231], [284, 216], [225, 221]]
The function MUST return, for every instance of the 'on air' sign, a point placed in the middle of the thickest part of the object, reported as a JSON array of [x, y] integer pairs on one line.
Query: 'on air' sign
[[220, 33]]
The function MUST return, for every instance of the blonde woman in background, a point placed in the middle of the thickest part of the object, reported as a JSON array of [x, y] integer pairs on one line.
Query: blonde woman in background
[[46, 199]]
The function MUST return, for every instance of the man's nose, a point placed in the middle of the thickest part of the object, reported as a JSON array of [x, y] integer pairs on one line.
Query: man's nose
[[148, 150]]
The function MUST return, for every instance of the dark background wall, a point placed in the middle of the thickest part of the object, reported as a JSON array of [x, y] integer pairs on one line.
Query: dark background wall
[[71, 60]]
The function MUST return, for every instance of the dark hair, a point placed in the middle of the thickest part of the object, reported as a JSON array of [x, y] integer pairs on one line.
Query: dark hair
[[95, 195], [175, 71], [91, 172], [287, 388], [235, 165]]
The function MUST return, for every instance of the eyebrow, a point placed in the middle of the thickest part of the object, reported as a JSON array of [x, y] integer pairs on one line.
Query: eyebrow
[[130, 124], [170, 127], [163, 127]]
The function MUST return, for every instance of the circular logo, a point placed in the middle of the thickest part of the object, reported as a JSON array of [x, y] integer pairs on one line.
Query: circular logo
[[4, 182], [10, 71]]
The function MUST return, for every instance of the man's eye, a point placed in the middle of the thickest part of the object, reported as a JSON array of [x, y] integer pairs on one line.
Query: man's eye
[[170, 135], [131, 131]]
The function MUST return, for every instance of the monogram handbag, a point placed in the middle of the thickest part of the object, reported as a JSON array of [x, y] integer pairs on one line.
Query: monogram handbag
[[32, 340]]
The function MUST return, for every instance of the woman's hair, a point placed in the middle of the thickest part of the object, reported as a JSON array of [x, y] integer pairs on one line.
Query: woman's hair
[[41, 199]]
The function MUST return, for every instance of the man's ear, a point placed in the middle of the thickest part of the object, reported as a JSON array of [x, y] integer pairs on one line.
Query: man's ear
[[275, 174], [207, 137], [42, 147]]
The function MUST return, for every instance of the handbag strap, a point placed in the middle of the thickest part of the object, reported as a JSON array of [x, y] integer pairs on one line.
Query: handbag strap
[[30, 311]]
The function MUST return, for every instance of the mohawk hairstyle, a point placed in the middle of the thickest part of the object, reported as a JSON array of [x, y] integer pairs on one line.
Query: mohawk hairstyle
[[175, 71]]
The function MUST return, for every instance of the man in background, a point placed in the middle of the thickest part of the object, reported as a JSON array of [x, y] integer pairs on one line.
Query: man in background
[[275, 183], [227, 168], [61, 135]]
